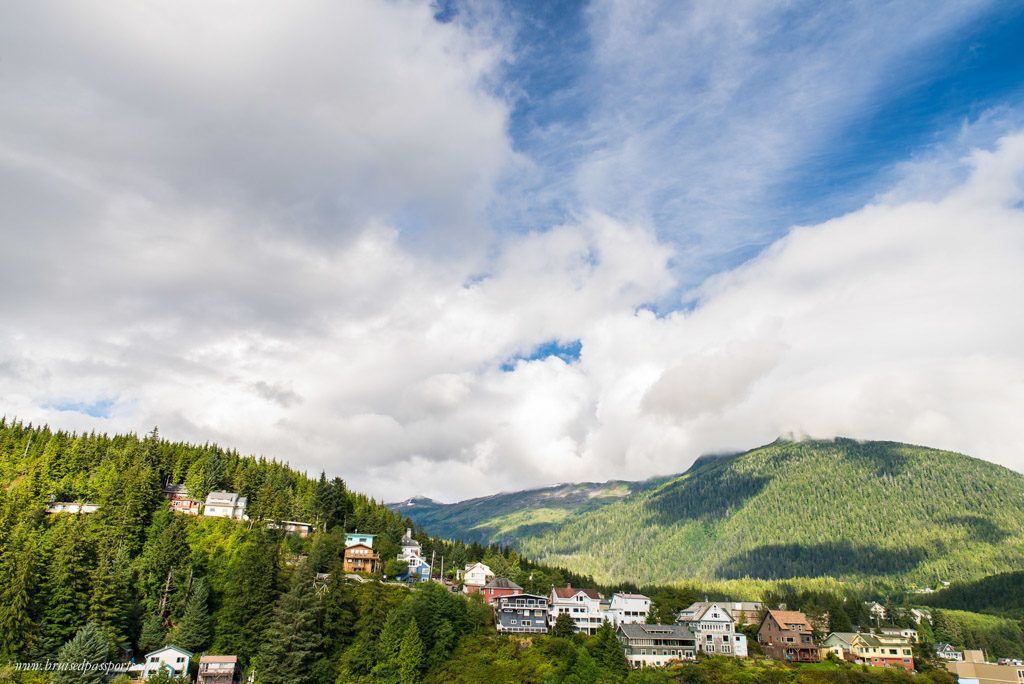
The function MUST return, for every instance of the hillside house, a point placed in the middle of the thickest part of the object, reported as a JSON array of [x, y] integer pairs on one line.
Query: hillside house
[[71, 507], [918, 614], [219, 669], [303, 529], [498, 587], [876, 610], [583, 605], [170, 659], [360, 558], [181, 501], [353, 538], [475, 576], [948, 652], [411, 553], [225, 505], [655, 645], [905, 632], [876, 650], [626, 609], [714, 629], [787, 635], [521, 614]]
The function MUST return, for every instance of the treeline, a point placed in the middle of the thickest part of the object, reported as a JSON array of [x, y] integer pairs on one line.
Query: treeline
[[1001, 594], [142, 576]]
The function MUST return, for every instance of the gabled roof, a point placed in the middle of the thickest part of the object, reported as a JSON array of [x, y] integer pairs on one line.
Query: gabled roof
[[569, 592], [472, 566], [698, 610], [788, 617], [170, 647], [639, 631], [352, 546], [845, 637], [502, 583], [632, 596]]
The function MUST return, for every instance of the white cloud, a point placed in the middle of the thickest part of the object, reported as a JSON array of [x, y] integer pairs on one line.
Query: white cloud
[[210, 225]]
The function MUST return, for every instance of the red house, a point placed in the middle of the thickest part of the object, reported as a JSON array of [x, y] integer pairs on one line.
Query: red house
[[498, 587]]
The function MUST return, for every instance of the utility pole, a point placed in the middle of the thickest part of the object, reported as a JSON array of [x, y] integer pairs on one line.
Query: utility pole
[[432, 552]]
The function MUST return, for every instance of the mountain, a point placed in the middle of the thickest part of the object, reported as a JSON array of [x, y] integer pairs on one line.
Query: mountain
[[840, 508]]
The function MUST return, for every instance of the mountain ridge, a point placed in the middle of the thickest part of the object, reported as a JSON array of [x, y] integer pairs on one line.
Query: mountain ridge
[[841, 507]]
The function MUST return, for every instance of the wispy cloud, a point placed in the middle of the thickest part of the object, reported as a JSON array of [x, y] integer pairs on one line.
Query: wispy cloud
[[329, 233]]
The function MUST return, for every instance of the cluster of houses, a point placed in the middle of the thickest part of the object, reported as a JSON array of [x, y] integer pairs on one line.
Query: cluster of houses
[[175, 661]]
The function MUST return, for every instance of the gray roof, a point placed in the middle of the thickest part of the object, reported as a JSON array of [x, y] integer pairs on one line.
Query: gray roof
[[697, 610], [502, 583], [638, 631]]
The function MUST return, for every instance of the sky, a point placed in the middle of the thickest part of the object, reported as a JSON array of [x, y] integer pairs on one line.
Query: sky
[[449, 249]]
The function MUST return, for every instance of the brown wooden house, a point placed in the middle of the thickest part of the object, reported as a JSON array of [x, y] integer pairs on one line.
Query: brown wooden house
[[787, 635], [360, 558]]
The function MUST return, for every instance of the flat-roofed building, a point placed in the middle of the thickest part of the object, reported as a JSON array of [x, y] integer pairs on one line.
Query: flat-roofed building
[[218, 669]]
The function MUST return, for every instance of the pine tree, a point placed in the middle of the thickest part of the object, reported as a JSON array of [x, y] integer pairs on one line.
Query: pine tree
[[292, 640], [87, 646], [389, 646], [68, 589], [564, 625], [608, 651], [152, 635], [194, 631], [18, 631], [410, 655], [108, 606], [248, 600]]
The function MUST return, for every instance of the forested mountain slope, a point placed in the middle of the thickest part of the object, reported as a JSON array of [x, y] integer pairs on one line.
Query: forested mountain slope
[[840, 508], [133, 575]]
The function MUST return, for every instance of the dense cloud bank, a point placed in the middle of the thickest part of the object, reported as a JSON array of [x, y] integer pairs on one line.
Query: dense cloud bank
[[275, 243]]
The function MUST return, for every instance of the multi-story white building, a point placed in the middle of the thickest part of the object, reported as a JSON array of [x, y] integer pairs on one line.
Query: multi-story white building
[[714, 629], [225, 505], [583, 605], [625, 609], [475, 576]]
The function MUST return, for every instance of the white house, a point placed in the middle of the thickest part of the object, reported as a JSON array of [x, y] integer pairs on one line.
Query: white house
[[948, 652], [876, 610], [71, 507], [714, 629], [475, 576], [302, 529], [625, 609], [919, 614], [171, 659], [225, 505], [904, 632], [412, 554], [583, 605]]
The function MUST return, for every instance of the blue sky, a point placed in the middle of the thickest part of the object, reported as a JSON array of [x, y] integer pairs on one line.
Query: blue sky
[[449, 248], [927, 89]]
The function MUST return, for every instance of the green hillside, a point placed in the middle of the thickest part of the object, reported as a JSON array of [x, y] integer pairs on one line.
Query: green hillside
[[846, 509]]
